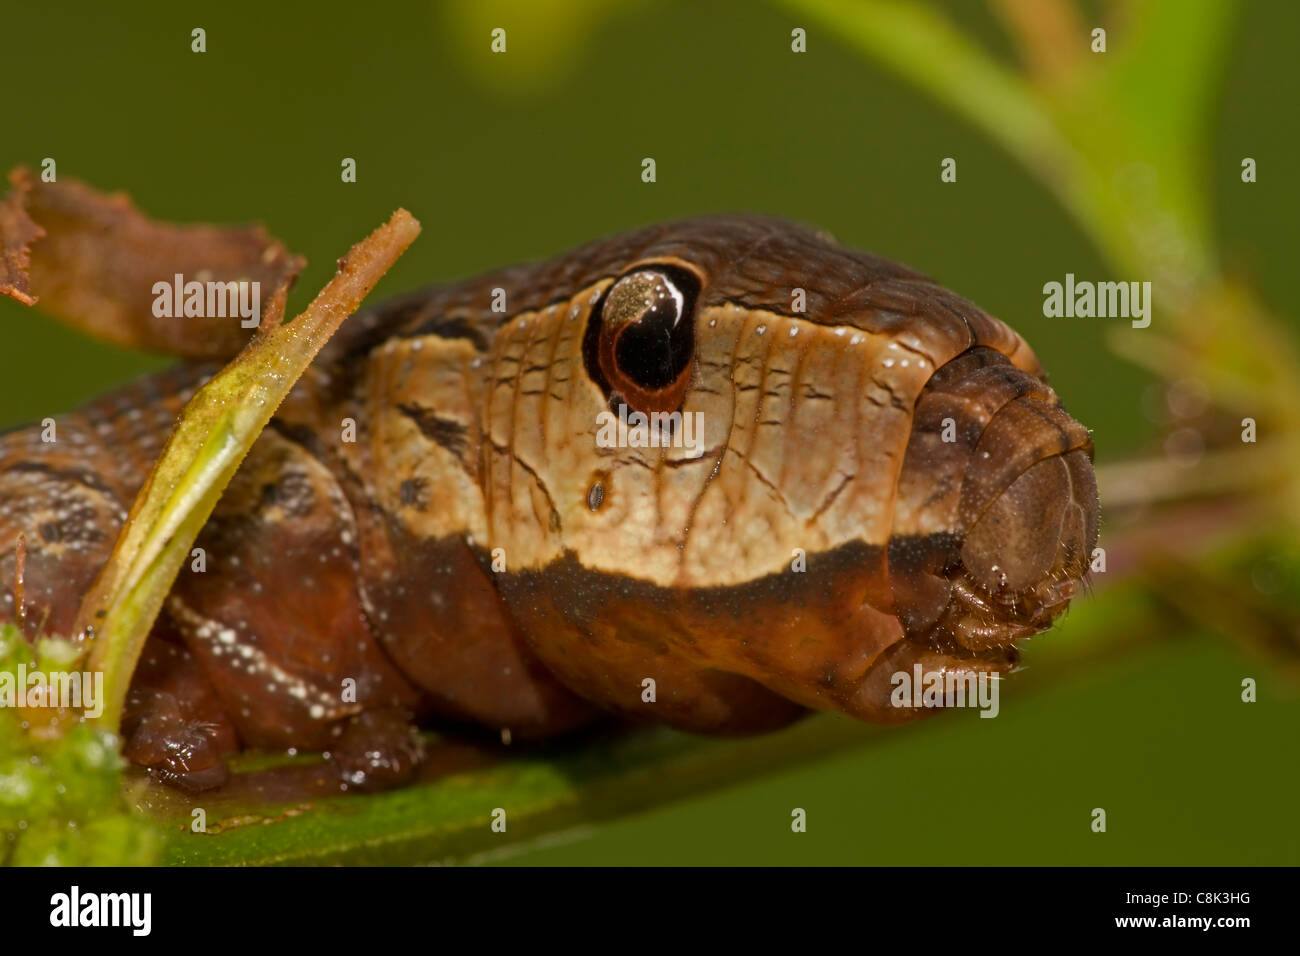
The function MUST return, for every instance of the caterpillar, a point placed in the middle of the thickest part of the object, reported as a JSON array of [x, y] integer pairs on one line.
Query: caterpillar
[[715, 474]]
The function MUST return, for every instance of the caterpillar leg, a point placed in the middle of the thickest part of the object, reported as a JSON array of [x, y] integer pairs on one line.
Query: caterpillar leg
[[174, 722], [894, 688], [270, 608]]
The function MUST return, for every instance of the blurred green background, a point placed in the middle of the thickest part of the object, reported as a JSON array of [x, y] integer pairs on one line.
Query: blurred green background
[[521, 156]]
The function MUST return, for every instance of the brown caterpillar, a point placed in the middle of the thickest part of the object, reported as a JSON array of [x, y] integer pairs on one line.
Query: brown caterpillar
[[795, 505]]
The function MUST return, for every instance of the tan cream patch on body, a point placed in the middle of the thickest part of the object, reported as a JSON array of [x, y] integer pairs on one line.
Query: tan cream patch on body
[[803, 432], [420, 388]]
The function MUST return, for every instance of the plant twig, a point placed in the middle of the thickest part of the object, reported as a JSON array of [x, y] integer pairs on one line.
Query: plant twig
[[214, 433]]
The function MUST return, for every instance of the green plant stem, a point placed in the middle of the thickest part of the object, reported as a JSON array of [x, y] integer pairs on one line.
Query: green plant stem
[[214, 433]]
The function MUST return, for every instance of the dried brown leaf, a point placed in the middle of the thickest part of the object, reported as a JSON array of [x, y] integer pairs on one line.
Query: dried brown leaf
[[92, 261]]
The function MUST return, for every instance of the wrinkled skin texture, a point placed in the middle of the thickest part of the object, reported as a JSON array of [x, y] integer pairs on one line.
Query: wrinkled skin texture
[[884, 479]]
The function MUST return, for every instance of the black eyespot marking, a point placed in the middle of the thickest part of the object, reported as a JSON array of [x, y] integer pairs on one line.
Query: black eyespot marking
[[641, 340], [414, 493], [652, 345]]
